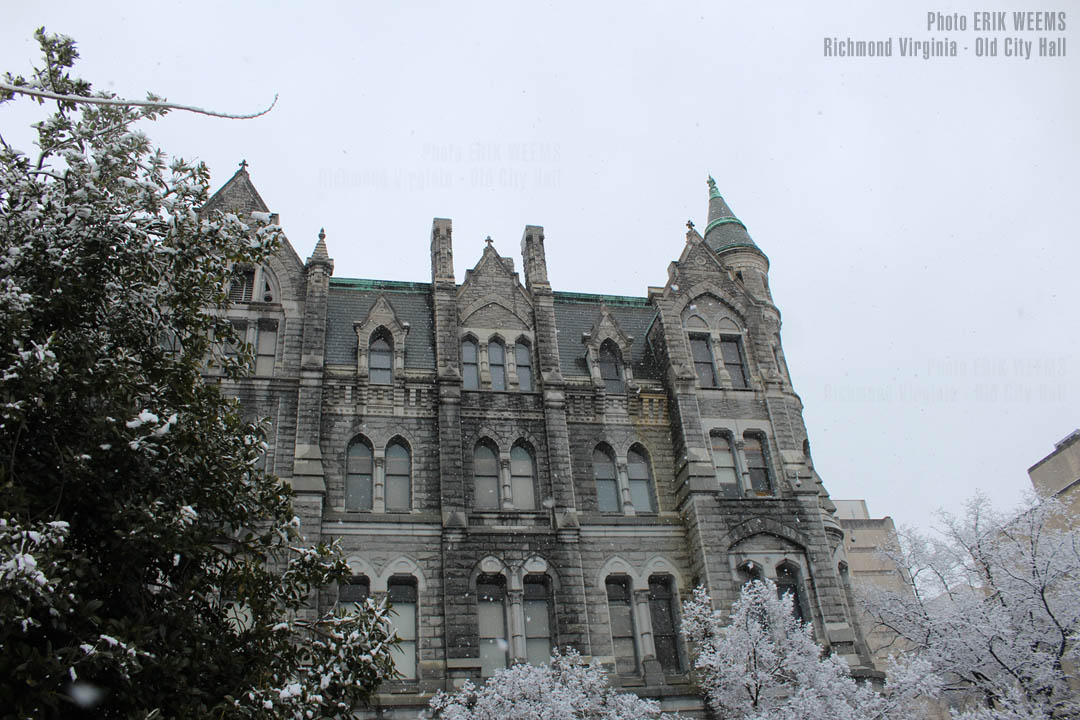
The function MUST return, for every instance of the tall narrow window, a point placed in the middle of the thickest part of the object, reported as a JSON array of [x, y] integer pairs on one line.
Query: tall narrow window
[[756, 464], [401, 592], [358, 477], [730, 349], [265, 349], [537, 606], [610, 363], [523, 361], [240, 331], [491, 617], [398, 488], [497, 365], [787, 582], [470, 366], [354, 589], [724, 462], [381, 360], [242, 285], [701, 350], [662, 612], [522, 479], [620, 612], [486, 474], [607, 487], [637, 471]]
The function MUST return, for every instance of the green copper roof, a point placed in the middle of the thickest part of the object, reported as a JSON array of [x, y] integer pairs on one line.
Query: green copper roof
[[381, 285], [591, 299]]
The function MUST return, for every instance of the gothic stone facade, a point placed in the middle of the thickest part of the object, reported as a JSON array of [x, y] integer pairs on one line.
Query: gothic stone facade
[[519, 468]]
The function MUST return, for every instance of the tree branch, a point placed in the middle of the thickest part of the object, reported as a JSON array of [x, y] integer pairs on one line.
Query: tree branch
[[120, 102]]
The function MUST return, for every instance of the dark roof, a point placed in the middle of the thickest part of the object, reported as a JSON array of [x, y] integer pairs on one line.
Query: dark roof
[[350, 301], [576, 313]]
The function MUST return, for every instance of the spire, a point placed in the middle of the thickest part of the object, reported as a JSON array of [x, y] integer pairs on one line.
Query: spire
[[319, 256], [724, 229]]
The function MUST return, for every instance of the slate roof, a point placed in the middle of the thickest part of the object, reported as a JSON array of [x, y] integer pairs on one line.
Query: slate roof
[[576, 313], [350, 300]]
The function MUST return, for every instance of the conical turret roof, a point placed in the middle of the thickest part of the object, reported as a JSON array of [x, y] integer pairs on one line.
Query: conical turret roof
[[724, 229]]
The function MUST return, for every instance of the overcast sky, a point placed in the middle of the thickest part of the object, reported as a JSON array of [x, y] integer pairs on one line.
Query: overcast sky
[[920, 215]]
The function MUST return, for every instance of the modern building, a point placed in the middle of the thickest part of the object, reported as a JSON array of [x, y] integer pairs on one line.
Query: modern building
[[864, 537], [1058, 474], [519, 468]]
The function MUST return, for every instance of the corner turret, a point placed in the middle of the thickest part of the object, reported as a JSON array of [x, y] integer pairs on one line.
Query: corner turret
[[726, 236]]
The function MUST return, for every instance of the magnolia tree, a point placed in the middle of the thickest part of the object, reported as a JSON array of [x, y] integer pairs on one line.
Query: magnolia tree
[[761, 662], [564, 689], [148, 566], [992, 602]]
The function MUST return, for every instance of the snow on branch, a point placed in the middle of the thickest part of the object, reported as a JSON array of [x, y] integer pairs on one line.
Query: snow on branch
[[120, 102]]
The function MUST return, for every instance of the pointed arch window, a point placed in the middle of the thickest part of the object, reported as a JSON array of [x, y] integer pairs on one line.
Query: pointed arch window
[[470, 365], [640, 479], [358, 476], [701, 351], [787, 582], [610, 361], [734, 363], [522, 478], [537, 608], [607, 484], [523, 361], [757, 464], [381, 358], [662, 612], [497, 364], [398, 489], [401, 592], [486, 476], [491, 621], [621, 617]]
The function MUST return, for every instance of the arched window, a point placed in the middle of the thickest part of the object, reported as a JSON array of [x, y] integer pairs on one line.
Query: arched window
[[354, 589], [401, 592], [523, 361], [610, 361], [522, 478], [497, 364], [537, 607], [662, 611], [486, 475], [398, 488], [621, 616], [640, 477], [724, 461], [470, 365], [358, 474], [381, 358], [757, 464], [748, 571], [491, 621], [607, 485], [787, 582]]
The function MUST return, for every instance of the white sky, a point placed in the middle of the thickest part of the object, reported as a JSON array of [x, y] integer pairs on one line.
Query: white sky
[[920, 215]]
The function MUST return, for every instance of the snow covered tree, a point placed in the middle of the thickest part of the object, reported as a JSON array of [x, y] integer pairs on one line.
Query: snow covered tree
[[148, 566], [993, 604], [564, 689], [761, 662]]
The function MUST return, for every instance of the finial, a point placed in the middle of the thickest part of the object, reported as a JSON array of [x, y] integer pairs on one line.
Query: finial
[[488, 240], [689, 224], [243, 164], [713, 192], [322, 233]]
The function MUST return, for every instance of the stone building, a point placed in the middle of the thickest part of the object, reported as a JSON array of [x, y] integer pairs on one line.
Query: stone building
[[519, 468], [1058, 474]]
